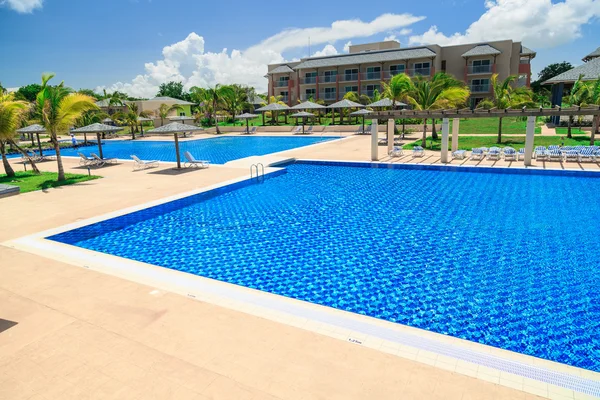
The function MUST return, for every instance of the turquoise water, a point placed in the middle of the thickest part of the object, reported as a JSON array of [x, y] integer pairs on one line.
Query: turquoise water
[[217, 150], [506, 260]]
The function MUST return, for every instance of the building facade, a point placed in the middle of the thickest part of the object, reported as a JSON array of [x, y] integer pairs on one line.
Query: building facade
[[365, 66]]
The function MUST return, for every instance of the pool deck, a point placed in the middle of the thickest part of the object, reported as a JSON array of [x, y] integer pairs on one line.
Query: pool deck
[[72, 333]]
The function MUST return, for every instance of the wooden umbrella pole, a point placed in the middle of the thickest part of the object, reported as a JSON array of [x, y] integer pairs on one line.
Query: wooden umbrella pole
[[99, 145], [39, 144], [177, 151]]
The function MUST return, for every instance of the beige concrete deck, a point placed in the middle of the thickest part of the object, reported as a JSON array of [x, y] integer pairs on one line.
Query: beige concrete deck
[[80, 334]]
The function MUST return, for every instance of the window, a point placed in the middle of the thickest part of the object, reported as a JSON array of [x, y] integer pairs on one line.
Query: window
[[371, 88], [480, 85], [284, 78], [421, 68], [351, 74], [310, 77], [397, 69], [311, 92], [351, 89], [329, 76], [480, 66], [330, 94], [182, 114], [283, 81], [475, 101], [351, 71], [444, 65], [421, 65], [373, 69], [310, 74], [481, 62]]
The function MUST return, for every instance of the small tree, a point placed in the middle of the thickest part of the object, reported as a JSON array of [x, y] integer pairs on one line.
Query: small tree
[[164, 110], [57, 109], [11, 115]]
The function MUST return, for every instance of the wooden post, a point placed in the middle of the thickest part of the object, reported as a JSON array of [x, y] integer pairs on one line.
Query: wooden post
[[595, 119], [445, 134], [529, 140], [177, 151], [390, 135], [39, 144], [374, 140], [99, 145], [455, 127]]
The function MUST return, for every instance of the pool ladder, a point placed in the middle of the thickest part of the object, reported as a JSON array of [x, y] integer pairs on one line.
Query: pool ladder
[[260, 172]]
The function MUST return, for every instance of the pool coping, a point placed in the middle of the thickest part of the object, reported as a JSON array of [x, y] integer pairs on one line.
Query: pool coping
[[499, 366]]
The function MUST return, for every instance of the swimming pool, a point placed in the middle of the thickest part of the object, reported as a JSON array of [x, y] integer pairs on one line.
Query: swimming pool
[[217, 150], [507, 260]]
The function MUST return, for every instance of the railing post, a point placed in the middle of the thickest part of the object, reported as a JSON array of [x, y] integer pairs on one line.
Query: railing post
[[529, 140], [455, 127], [317, 83], [374, 141]]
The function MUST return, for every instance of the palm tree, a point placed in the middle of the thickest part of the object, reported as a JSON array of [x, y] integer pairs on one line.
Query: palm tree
[[214, 95], [164, 110], [11, 115], [114, 99], [399, 87], [439, 92], [57, 109], [593, 94], [577, 97], [505, 95], [234, 97]]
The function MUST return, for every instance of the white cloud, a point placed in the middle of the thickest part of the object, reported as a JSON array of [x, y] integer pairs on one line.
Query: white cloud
[[405, 31], [538, 23], [22, 6], [347, 46], [186, 61], [390, 37], [328, 50]]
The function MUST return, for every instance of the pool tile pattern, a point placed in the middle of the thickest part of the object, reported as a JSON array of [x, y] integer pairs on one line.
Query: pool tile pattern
[[505, 260]]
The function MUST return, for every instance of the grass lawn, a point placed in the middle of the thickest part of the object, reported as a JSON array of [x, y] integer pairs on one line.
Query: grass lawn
[[29, 182], [510, 126], [470, 142], [574, 131]]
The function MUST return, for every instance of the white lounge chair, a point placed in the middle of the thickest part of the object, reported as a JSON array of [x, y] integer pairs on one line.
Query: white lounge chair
[[554, 155], [253, 130], [587, 154], [297, 129], [418, 151], [521, 154], [86, 161], [572, 155], [459, 154], [143, 164], [309, 130], [510, 154], [396, 152], [494, 153], [101, 161], [477, 154], [540, 153], [191, 162]]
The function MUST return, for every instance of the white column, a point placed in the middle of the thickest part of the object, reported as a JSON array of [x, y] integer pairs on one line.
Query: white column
[[455, 127], [445, 137], [374, 141], [529, 140], [390, 135]]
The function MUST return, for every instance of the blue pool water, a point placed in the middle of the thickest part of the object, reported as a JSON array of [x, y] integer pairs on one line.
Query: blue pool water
[[217, 150], [507, 260]]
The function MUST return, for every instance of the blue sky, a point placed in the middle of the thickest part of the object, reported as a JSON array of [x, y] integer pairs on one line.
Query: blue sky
[[109, 43]]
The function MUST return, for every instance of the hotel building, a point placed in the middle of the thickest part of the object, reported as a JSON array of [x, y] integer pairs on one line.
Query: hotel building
[[365, 66]]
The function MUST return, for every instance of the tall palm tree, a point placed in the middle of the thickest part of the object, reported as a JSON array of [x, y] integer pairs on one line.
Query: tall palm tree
[[439, 92], [11, 114], [234, 98], [505, 95], [399, 87], [114, 99], [214, 95], [57, 109], [577, 97]]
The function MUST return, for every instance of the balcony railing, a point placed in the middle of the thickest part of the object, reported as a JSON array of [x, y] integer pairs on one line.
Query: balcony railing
[[305, 96], [348, 77], [281, 83], [479, 88], [308, 80], [479, 69], [285, 98], [327, 78], [419, 71], [370, 76], [328, 95]]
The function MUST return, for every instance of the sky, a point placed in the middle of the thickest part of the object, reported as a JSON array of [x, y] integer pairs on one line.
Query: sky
[[135, 45]]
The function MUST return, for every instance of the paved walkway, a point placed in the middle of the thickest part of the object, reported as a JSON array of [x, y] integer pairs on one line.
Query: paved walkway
[[72, 333]]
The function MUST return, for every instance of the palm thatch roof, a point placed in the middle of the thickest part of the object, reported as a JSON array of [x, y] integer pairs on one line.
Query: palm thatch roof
[[360, 112], [345, 104], [35, 128], [307, 105], [246, 116], [97, 128], [175, 127], [303, 114], [385, 102], [273, 107]]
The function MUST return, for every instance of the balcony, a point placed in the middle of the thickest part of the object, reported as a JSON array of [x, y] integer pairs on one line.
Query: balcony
[[479, 69], [305, 97], [419, 71], [348, 77], [281, 83], [309, 80], [371, 76], [327, 78], [524, 68], [285, 99], [328, 96], [480, 88]]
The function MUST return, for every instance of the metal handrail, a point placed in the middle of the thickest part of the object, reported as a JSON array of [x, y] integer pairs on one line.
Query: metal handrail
[[260, 173]]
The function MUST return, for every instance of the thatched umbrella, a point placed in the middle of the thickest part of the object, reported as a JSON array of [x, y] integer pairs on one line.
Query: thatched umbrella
[[107, 121], [175, 128], [303, 115], [273, 107], [344, 104], [385, 102], [309, 105], [181, 119], [98, 129], [34, 129], [141, 120], [359, 113], [247, 117]]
